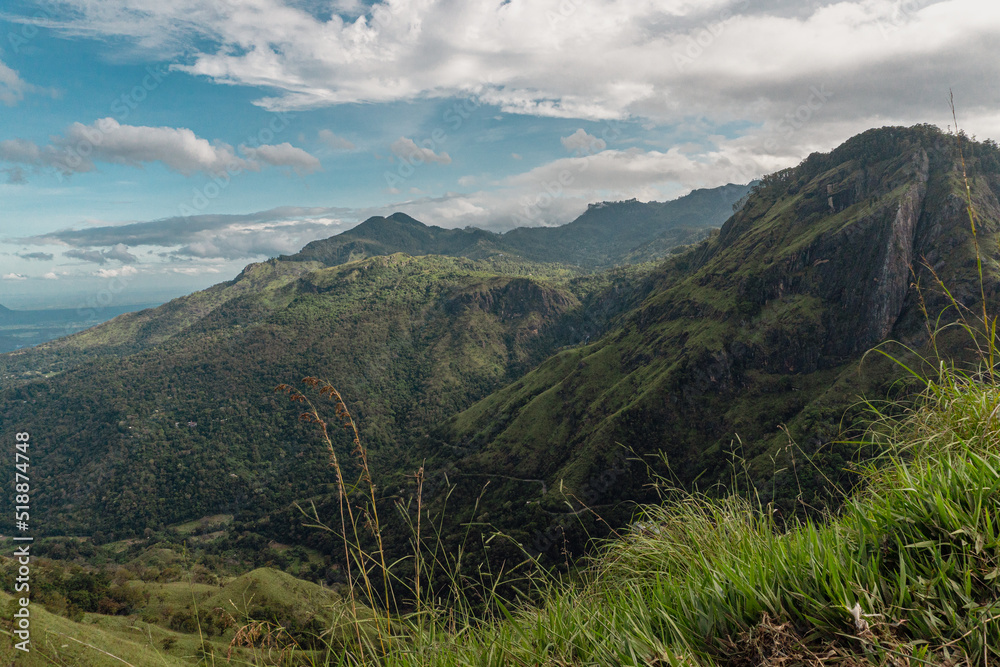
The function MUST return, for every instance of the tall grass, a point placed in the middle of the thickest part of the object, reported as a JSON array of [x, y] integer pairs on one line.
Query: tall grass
[[907, 572]]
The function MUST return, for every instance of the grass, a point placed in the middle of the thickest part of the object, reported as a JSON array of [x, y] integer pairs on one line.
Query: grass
[[906, 572]]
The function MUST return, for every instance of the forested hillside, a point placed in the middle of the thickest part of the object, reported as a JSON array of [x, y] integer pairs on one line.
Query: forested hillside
[[554, 389], [170, 414], [747, 360]]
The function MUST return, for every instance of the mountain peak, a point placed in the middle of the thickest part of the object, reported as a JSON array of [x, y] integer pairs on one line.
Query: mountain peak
[[399, 216]]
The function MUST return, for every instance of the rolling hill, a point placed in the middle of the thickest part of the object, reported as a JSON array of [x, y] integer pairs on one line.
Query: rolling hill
[[170, 414]]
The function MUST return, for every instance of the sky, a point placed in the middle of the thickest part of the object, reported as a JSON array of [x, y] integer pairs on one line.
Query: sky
[[152, 148]]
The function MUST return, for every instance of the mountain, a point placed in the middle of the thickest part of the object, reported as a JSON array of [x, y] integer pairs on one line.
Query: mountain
[[397, 233], [611, 233], [607, 234], [550, 385], [748, 354], [170, 414]]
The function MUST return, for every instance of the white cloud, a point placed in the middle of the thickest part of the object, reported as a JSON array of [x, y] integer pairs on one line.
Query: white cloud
[[408, 150], [194, 270], [582, 143], [12, 87], [466, 181], [557, 192], [335, 142], [14, 276], [251, 236], [116, 273], [106, 140], [597, 59], [284, 155], [177, 148], [81, 146], [51, 275]]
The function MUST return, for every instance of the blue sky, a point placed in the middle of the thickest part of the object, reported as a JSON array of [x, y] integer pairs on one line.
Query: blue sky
[[151, 148]]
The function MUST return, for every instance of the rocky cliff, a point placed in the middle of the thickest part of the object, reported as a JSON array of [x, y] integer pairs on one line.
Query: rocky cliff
[[747, 352]]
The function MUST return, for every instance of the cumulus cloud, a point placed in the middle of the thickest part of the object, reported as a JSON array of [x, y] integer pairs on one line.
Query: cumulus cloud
[[284, 155], [335, 142], [582, 143], [14, 276], [634, 169], [600, 59], [179, 149], [51, 275], [106, 140], [12, 86], [407, 149]]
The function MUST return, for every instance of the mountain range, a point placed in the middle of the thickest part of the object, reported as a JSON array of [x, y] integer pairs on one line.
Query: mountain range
[[558, 367], [147, 405], [607, 234]]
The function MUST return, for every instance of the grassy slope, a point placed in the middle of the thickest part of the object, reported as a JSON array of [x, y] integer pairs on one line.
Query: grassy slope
[[907, 570], [263, 594]]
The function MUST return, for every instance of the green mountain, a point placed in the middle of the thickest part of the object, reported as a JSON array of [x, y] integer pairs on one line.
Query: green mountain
[[747, 355], [553, 386], [170, 414], [607, 234]]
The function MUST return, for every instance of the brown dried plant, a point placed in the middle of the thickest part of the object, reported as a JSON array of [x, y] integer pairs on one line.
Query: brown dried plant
[[343, 415], [264, 635]]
